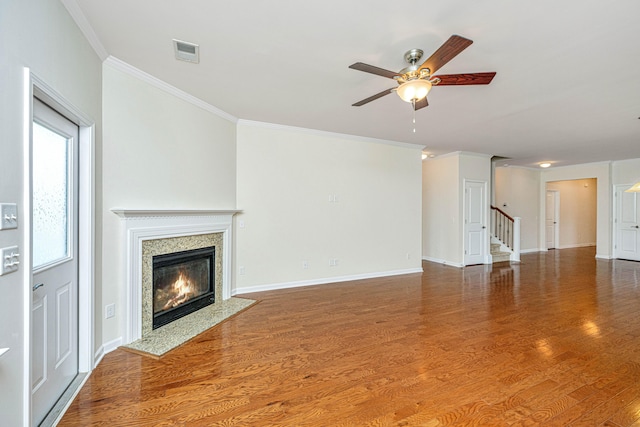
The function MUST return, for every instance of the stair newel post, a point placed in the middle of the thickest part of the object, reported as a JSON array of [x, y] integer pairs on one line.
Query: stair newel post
[[516, 239]]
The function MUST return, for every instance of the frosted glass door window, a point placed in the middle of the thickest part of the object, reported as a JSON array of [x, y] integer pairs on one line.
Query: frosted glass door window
[[51, 190]]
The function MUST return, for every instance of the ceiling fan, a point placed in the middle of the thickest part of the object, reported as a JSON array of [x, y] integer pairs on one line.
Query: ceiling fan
[[415, 81]]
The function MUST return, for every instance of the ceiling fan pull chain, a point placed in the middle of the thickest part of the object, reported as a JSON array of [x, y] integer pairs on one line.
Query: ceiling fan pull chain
[[413, 102]]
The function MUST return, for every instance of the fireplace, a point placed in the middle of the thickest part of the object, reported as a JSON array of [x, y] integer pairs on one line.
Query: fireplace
[[152, 233], [183, 282]]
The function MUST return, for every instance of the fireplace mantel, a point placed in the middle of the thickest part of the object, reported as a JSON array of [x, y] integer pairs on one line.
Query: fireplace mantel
[[139, 225], [141, 213]]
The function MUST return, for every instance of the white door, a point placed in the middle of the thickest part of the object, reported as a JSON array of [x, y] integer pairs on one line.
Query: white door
[[54, 326], [475, 233], [627, 224], [551, 219]]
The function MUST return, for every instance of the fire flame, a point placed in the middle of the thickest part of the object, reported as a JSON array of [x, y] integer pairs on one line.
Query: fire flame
[[182, 290]]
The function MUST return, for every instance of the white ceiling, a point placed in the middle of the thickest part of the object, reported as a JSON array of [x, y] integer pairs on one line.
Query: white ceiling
[[567, 88]]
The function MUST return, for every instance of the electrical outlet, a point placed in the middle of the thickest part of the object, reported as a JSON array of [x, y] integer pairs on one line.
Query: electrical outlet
[[305, 264], [241, 271], [109, 311], [333, 262]]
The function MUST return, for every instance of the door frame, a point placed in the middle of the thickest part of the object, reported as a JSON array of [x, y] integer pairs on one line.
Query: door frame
[[616, 211], [556, 217], [34, 86], [485, 213]]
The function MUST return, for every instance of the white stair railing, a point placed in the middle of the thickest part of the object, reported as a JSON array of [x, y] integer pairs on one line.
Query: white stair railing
[[507, 230]]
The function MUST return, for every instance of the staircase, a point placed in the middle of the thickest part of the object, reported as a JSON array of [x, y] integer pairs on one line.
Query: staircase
[[505, 236], [497, 255]]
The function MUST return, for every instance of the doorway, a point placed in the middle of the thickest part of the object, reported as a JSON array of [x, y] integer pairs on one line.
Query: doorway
[[37, 91], [552, 218], [54, 231], [475, 222], [627, 224], [571, 213]]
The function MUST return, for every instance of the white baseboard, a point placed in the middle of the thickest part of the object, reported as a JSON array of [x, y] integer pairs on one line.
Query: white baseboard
[[301, 283], [105, 348], [579, 245], [604, 257], [530, 251], [98, 356], [442, 261]]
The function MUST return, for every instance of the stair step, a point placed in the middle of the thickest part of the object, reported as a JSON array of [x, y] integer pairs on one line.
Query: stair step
[[500, 256]]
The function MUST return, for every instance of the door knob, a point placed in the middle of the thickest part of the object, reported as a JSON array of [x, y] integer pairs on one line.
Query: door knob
[[39, 285], [635, 226]]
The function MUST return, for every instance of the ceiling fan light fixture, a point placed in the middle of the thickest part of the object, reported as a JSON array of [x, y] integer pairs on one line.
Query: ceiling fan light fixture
[[414, 90]]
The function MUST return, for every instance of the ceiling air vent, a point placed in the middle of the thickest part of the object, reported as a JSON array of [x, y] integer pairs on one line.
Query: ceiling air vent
[[186, 51]]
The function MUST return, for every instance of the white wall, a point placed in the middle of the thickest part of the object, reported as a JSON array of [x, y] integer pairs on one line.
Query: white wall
[[441, 210], [288, 181], [518, 189], [626, 172], [160, 152], [577, 222], [38, 34], [600, 171]]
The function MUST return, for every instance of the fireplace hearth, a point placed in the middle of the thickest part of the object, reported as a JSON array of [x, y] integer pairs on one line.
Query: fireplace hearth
[[183, 282]]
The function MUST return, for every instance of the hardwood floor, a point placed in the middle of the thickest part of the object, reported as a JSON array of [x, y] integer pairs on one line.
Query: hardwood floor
[[552, 341]]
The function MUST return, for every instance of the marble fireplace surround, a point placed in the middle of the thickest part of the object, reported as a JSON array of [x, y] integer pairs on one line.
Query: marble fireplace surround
[[161, 231], [151, 248]]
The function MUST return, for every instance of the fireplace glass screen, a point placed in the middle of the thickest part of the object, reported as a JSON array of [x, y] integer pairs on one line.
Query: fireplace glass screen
[[183, 282]]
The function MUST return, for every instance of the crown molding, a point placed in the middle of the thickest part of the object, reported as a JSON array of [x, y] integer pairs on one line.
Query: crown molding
[[607, 163], [529, 168], [166, 87], [81, 21], [287, 128]]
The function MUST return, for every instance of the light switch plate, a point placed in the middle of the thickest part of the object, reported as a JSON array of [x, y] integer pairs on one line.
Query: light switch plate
[[10, 260], [8, 216]]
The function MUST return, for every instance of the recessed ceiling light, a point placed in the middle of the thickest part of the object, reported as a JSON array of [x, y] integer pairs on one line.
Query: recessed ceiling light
[[424, 156], [545, 165]]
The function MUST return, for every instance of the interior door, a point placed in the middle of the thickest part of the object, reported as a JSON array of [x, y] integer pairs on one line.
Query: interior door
[[475, 222], [551, 219], [54, 330], [627, 224]]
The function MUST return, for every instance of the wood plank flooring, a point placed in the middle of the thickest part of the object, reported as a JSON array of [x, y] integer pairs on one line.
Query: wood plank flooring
[[554, 340]]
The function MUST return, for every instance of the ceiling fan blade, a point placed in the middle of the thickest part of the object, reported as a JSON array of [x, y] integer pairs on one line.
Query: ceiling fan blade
[[421, 104], [360, 66], [465, 79], [373, 97], [446, 53]]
